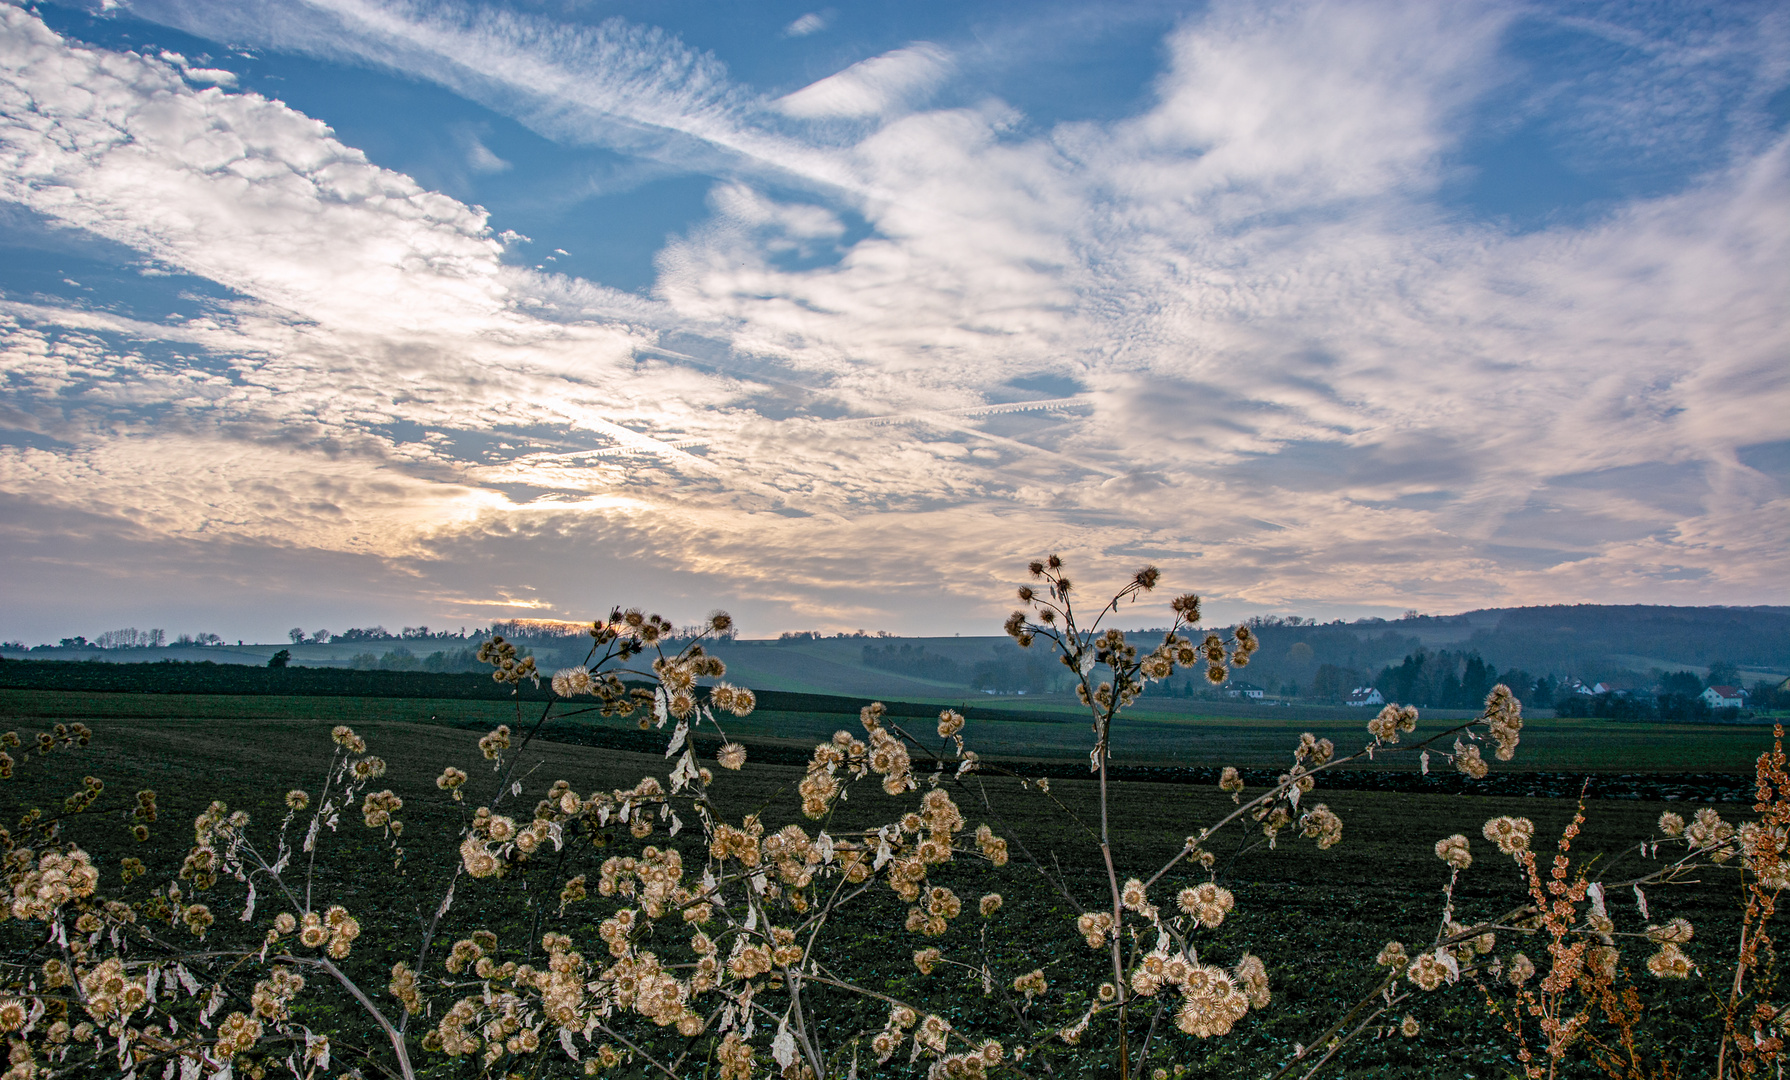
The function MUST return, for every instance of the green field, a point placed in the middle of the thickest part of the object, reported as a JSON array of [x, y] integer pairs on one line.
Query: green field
[[1142, 737], [1317, 918]]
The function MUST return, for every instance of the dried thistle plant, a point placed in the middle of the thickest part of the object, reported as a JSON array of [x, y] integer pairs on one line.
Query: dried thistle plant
[[708, 954]]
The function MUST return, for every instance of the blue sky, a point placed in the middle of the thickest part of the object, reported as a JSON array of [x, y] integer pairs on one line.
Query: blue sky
[[355, 311]]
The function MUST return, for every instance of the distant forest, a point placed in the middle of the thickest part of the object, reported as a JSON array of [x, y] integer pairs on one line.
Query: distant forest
[[1638, 652], [1582, 639]]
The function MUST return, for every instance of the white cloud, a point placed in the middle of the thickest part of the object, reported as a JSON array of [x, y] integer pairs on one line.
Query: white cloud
[[1314, 100], [481, 159], [213, 183], [895, 80], [1294, 370], [812, 23], [617, 84], [210, 76]]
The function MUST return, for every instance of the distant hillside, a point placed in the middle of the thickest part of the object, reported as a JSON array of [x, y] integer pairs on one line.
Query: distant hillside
[[1531, 648], [1590, 635], [1585, 641], [1562, 642]]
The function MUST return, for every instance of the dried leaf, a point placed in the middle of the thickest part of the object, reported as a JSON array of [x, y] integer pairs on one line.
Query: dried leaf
[[783, 1047]]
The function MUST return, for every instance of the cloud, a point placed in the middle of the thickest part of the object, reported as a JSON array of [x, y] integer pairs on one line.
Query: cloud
[[812, 23], [1272, 353], [616, 84], [1253, 267], [213, 182], [1320, 101], [374, 305], [210, 76], [480, 158], [201, 76], [873, 87]]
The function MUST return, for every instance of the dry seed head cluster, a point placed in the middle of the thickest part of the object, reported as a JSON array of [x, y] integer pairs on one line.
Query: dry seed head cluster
[[1503, 716], [1707, 831], [1393, 955], [1391, 721], [1520, 969], [506, 666], [1207, 903], [1511, 834], [1320, 823], [1468, 761], [495, 742], [1455, 851], [1212, 999], [1670, 962], [1430, 970]]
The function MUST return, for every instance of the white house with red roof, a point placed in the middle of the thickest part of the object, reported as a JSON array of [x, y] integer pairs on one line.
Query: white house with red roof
[[1725, 697]]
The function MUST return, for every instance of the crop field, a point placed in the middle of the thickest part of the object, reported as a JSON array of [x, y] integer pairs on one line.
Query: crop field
[[1141, 737], [1316, 917]]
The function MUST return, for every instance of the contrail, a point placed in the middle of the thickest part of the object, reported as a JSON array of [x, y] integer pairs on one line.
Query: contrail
[[644, 446], [928, 415], [950, 420]]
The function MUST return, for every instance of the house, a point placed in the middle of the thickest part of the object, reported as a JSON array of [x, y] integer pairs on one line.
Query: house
[[1622, 688], [1725, 697], [1249, 691], [1364, 695]]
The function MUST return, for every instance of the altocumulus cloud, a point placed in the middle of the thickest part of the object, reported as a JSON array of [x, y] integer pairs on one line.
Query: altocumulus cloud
[[1237, 330]]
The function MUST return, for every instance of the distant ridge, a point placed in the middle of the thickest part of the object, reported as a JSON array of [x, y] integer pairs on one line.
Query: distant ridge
[[1589, 642], [1556, 636]]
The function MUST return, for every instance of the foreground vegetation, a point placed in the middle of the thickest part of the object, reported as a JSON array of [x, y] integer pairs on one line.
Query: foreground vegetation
[[895, 904], [1317, 918]]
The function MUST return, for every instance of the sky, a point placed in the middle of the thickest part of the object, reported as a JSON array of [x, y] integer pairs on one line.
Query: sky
[[341, 312]]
